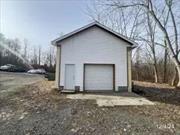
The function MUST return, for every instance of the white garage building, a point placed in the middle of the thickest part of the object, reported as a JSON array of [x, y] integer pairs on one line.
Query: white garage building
[[93, 58]]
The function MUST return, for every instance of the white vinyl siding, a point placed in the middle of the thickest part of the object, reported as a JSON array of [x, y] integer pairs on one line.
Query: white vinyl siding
[[94, 45]]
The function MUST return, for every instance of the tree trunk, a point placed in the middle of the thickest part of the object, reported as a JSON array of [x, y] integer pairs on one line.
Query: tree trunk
[[155, 74], [39, 57], [156, 77], [173, 78], [178, 72], [177, 65], [165, 63]]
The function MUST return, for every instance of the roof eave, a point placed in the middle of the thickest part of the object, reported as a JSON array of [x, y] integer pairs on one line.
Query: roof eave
[[133, 46], [54, 42]]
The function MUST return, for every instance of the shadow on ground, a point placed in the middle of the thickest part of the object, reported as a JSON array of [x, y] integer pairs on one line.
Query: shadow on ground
[[156, 92]]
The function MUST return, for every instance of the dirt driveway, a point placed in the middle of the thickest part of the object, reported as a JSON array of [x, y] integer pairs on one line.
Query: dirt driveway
[[33, 108]]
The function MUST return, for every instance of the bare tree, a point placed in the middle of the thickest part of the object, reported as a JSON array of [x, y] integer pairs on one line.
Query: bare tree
[[151, 30], [50, 56], [165, 62], [34, 60], [137, 63], [39, 55], [25, 49], [156, 10], [123, 21]]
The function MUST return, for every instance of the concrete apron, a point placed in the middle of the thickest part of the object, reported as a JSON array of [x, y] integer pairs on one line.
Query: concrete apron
[[126, 99]]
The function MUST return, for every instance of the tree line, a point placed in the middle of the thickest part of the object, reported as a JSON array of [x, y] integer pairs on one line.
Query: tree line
[[154, 25], [23, 54]]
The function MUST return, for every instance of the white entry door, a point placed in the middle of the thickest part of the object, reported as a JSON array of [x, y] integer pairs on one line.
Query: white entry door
[[98, 77], [69, 76]]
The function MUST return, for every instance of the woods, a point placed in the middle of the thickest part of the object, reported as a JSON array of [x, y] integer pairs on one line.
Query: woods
[[23, 54], [154, 25]]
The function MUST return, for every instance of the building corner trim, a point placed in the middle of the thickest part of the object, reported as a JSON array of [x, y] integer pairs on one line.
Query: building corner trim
[[129, 71]]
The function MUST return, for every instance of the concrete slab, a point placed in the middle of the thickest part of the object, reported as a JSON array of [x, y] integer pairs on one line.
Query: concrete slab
[[114, 99]]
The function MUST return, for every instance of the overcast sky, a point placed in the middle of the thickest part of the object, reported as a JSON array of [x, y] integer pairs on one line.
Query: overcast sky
[[40, 21]]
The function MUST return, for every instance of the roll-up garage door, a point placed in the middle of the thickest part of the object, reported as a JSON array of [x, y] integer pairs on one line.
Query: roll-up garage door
[[98, 77]]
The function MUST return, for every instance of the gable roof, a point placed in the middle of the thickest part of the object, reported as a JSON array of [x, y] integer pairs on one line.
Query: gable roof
[[54, 42]]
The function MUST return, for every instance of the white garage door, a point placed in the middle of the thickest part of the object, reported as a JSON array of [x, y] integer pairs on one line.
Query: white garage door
[[98, 77]]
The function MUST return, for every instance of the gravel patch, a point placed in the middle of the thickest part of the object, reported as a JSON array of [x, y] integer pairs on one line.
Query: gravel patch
[[36, 109]]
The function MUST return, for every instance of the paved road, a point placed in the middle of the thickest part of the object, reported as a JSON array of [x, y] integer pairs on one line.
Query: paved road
[[10, 81]]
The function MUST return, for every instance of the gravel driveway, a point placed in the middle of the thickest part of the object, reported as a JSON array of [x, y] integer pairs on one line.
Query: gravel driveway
[[10, 82], [34, 109]]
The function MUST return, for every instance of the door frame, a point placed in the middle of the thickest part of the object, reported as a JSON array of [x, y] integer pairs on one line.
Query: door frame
[[65, 77], [85, 64]]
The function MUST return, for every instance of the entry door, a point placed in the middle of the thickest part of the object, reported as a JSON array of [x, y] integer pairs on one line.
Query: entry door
[[69, 76]]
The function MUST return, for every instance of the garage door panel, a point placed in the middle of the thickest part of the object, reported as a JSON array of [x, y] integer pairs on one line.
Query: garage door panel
[[98, 77]]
